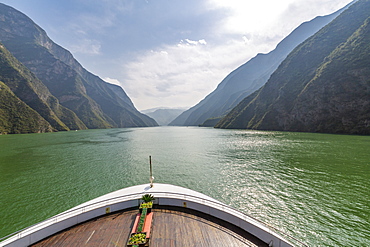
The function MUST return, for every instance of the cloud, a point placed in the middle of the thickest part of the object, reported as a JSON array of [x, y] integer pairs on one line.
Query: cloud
[[181, 74], [193, 42], [202, 41], [112, 81]]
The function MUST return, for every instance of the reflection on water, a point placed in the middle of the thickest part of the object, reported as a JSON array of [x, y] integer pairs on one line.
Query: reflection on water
[[312, 186]]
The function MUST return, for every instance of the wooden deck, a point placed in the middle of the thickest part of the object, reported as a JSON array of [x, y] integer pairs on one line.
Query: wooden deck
[[171, 227]]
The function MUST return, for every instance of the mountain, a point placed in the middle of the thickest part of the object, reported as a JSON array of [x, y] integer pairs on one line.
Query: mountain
[[249, 77], [163, 116], [96, 103], [322, 86], [29, 90], [17, 117]]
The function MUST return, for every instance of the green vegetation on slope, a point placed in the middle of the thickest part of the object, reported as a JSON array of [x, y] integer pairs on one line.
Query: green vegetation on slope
[[16, 117], [62, 81], [27, 87], [35, 94]]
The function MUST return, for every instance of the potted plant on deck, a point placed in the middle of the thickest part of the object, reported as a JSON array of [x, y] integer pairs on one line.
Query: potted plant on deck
[[147, 202], [139, 236], [137, 239]]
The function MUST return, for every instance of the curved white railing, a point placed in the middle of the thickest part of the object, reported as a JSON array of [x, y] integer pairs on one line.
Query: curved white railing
[[217, 209]]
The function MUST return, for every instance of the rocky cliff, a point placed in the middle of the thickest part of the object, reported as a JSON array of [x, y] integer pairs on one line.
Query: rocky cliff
[[322, 86]]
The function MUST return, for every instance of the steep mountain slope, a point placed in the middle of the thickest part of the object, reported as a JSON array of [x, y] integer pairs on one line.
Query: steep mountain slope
[[322, 86], [17, 117], [97, 103], [32, 92], [250, 76]]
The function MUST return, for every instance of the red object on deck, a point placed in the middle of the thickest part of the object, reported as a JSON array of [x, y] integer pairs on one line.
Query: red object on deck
[[136, 223], [148, 224]]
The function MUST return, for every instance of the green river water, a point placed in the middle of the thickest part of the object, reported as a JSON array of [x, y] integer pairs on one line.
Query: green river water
[[315, 187]]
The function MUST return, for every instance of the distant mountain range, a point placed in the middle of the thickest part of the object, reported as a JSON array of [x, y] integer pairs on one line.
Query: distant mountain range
[[54, 85], [322, 86], [163, 116], [248, 78]]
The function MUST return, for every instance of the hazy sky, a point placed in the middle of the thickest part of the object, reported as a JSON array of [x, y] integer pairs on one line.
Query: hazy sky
[[169, 53]]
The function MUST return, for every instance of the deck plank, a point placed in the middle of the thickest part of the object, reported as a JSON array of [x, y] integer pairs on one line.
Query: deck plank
[[171, 227], [111, 230], [181, 228]]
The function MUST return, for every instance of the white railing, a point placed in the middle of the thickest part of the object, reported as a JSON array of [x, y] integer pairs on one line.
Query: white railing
[[133, 200]]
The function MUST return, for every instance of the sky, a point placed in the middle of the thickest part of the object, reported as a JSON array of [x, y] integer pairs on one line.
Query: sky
[[169, 53]]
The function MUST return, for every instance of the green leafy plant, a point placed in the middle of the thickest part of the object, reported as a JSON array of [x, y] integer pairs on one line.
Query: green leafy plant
[[147, 198], [142, 220], [146, 205], [137, 238]]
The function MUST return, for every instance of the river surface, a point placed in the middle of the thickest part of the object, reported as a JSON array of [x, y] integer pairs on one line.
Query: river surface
[[314, 187]]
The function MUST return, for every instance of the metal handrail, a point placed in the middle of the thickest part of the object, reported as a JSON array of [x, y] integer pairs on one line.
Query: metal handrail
[[134, 196]]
